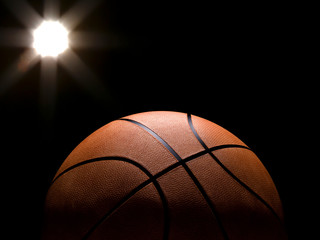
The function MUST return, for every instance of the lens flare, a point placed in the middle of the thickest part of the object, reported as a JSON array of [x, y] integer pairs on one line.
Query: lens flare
[[50, 39], [46, 39]]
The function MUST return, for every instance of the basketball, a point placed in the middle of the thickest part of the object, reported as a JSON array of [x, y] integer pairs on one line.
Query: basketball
[[162, 176]]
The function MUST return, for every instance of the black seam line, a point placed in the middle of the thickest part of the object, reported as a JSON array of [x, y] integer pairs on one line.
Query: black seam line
[[117, 158], [117, 206], [156, 136], [228, 171], [188, 170], [134, 191]]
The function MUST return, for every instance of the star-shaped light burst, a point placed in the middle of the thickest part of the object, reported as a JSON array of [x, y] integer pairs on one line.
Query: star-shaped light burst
[[50, 40]]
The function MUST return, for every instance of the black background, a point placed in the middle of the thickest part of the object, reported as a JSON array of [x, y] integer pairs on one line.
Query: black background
[[231, 63]]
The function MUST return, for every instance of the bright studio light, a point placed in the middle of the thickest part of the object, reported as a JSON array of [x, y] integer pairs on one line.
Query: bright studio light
[[50, 39]]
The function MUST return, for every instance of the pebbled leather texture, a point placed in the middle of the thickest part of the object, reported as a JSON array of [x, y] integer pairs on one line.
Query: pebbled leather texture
[[122, 183]]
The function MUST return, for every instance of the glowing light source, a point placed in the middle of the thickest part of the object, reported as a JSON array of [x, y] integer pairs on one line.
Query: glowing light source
[[50, 39]]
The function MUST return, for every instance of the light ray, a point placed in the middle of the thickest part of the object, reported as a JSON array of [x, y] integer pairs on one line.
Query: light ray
[[93, 40], [78, 12], [51, 9], [24, 13], [83, 75], [48, 90], [14, 37], [27, 60]]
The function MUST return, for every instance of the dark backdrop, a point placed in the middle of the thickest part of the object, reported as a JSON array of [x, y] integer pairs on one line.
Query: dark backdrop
[[230, 63]]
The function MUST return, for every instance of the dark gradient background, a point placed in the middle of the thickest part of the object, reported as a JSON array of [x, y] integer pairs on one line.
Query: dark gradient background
[[230, 63]]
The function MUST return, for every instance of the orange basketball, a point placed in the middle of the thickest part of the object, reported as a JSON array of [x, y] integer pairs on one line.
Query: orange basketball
[[162, 176]]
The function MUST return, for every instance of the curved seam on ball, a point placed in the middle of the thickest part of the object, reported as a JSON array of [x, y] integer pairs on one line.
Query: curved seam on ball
[[188, 170], [215, 158], [132, 193]]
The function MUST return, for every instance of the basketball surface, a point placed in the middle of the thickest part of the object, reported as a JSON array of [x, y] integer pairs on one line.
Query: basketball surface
[[162, 176]]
